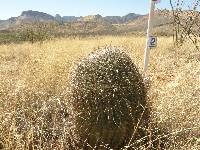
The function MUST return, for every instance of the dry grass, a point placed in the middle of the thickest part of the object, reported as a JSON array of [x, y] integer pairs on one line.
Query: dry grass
[[34, 81]]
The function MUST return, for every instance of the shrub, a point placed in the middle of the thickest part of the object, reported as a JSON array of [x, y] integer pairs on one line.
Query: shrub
[[36, 32]]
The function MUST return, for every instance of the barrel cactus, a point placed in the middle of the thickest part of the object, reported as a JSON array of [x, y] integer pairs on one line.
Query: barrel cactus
[[109, 99]]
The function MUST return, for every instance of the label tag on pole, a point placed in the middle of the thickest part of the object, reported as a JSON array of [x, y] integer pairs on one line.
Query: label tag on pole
[[152, 42]]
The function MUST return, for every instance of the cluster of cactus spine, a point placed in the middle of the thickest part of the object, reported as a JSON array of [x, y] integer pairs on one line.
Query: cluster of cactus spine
[[109, 99]]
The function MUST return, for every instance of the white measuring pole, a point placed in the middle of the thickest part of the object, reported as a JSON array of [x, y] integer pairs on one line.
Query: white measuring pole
[[147, 49]]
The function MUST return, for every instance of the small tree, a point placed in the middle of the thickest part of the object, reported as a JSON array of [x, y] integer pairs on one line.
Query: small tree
[[186, 21]]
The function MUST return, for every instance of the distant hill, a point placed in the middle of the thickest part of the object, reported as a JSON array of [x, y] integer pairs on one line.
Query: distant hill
[[110, 19], [113, 19], [32, 16], [130, 17], [131, 22], [159, 19], [162, 24], [70, 18], [123, 19], [6, 24], [26, 17], [36, 16], [91, 18]]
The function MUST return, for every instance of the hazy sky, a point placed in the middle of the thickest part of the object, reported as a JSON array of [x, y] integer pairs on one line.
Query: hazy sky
[[14, 8]]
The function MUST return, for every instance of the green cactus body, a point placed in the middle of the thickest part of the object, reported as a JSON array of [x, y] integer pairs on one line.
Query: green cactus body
[[109, 98]]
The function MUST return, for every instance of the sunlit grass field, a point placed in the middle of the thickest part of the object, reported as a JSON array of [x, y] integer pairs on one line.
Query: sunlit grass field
[[34, 81]]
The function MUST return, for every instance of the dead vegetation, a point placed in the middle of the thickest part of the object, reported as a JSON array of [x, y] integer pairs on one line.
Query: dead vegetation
[[34, 80]]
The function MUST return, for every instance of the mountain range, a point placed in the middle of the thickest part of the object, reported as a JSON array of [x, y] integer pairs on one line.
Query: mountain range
[[36, 16], [93, 24]]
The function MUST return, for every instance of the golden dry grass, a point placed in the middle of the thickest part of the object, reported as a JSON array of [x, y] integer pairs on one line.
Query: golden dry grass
[[37, 74]]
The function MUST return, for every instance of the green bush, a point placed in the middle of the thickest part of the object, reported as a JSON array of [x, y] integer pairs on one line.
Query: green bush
[[37, 32]]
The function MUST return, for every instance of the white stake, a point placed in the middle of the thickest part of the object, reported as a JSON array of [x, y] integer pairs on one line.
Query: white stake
[[147, 49]]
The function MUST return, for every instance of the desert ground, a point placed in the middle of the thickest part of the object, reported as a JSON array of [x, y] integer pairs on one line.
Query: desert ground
[[34, 82]]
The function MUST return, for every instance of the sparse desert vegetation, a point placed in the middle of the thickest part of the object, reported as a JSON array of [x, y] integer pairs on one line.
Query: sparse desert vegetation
[[35, 111]]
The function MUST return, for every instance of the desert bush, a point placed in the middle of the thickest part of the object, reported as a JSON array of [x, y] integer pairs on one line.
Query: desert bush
[[36, 32], [185, 22], [109, 99], [7, 38]]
